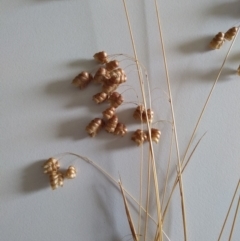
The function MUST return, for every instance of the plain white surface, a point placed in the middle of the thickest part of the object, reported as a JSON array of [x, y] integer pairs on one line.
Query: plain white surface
[[44, 44]]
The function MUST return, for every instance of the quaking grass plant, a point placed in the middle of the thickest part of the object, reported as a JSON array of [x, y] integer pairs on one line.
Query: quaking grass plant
[[153, 202]]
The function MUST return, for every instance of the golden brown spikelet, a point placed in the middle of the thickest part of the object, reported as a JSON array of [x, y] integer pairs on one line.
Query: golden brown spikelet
[[155, 135], [111, 124], [101, 57], [137, 114], [56, 179], [120, 129], [82, 80], [139, 137], [117, 76], [141, 114], [217, 41], [101, 76], [71, 172], [111, 65], [115, 99], [231, 33], [149, 113], [100, 97], [109, 112], [51, 165], [94, 126]]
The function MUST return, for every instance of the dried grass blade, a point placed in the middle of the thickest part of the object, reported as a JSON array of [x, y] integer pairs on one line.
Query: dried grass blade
[[229, 209], [176, 180], [130, 221], [111, 179], [174, 124]]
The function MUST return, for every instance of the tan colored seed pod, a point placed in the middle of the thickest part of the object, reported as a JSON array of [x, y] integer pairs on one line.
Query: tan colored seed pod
[[217, 41], [115, 99], [141, 114], [101, 76], [101, 57], [94, 126], [71, 172], [108, 89], [155, 135], [238, 70], [117, 76], [137, 114], [139, 137], [148, 114], [120, 129], [231, 33], [111, 65], [111, 124], [82, 80], [100, 97], [56, 179], [51, 165], [109, 112]]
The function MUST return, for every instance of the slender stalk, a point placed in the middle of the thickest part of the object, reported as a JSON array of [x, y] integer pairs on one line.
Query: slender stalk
[[169, 161], [174, 123], [229, 209], [147, 201], [148, 125], [234, 220]]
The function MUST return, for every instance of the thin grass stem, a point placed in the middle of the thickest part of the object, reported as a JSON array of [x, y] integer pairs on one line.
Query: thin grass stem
[[229, 209], [234, 220]]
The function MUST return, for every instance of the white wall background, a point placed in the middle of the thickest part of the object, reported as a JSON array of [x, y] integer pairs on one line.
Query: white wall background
[[44, 44]]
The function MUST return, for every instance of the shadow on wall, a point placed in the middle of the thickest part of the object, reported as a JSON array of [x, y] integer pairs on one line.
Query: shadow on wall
[[227, 9], [34, 180]]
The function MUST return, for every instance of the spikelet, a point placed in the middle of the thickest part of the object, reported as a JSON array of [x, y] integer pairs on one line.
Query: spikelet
[[115, 99], [56, 179], [100, 97], [238, 70], [108, 89], [111, 124], [120, 129], [109, 112], [217, 41], [112, 65], [101, 76], [141, 114], [149, 113], [139, 137], [94, 126], [71, 172], [137, 114], [101, 57], [117, 76], [82, 80], [51, 165], [155, 135], [230, 33]]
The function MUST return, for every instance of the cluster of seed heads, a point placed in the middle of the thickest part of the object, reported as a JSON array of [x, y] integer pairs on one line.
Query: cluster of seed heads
[[140, 136], [220, 38], [56, 177], [110, 76]]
